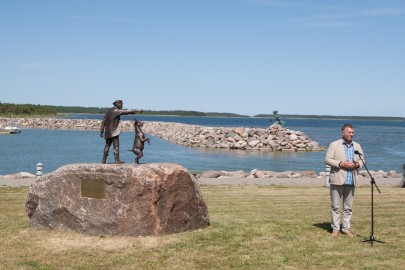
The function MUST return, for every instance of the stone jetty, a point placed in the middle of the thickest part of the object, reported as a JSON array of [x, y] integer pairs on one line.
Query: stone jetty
[[274, 138]]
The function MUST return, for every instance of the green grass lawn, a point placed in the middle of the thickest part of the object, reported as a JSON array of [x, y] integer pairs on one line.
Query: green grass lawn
[[252, 227]]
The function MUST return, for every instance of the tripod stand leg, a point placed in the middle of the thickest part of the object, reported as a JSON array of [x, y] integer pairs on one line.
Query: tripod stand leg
[[372, 240], [372, 237]]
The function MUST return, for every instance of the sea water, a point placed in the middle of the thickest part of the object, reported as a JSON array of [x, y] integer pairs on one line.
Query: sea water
[[383, 143]]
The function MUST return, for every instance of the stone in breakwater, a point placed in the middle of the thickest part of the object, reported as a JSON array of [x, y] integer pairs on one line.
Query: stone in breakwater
[[274, 138]]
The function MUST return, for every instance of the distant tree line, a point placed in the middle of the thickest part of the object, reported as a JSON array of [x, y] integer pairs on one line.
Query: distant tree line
[[77, 109], [192, 113], [332, 117], [175, 112], [214, 114], [96, 110], [9, 109]]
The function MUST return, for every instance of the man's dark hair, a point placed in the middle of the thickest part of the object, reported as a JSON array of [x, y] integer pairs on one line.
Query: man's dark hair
[[117, 102], [347, 126]]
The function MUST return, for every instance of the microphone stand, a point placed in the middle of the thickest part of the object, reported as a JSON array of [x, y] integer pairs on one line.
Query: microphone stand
[[372, 238]]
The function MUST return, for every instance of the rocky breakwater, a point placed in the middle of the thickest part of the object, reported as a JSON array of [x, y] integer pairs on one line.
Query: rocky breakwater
[[52, 123], [274, 138]]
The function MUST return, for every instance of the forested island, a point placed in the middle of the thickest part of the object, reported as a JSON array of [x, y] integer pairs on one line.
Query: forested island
[[17, 110], [31, 110]]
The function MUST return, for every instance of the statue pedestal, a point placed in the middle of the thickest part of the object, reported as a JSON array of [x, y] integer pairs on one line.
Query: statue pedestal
[[125, 199]]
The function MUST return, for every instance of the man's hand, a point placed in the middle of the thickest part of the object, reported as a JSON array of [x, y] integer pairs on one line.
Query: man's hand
[[348, 165], [101, 134]]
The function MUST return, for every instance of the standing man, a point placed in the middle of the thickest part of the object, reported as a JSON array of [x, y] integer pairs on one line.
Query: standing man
[[344, 170], [111, 129]]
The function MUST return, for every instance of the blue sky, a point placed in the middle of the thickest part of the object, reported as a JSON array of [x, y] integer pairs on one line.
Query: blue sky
[[336, 57]]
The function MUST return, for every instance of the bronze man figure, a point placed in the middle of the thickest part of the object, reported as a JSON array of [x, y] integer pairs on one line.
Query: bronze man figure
[[111, 129], [139, 141]]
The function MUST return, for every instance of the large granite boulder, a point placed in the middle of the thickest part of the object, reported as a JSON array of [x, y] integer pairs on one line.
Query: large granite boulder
[[111, 199]]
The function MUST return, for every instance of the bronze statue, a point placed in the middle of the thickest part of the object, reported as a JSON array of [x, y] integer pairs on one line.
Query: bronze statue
[[277, 119], [111, 129], [139, 141]]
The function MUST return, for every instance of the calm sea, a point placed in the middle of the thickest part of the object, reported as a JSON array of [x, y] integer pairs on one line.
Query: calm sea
[[383, 144]]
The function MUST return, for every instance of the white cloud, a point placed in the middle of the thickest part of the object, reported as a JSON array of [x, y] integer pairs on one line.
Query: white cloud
[[324, 14], [383, 12]]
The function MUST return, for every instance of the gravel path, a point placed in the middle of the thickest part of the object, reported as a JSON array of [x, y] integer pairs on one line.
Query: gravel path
[[17, 182], [289, 181]]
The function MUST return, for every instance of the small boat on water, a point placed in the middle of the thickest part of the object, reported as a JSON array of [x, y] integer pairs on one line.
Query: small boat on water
[[11, 129]]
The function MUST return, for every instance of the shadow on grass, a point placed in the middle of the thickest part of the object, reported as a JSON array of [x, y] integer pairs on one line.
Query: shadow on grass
[[324, 225]]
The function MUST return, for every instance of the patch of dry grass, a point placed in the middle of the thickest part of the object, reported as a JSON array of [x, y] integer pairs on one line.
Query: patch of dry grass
[[252, 228]]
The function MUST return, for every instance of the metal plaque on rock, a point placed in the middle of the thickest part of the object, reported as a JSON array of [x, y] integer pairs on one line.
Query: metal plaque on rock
[[93, 188]]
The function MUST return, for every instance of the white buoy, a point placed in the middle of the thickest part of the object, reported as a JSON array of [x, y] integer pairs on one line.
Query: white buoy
[[39, 169], [327, 184]]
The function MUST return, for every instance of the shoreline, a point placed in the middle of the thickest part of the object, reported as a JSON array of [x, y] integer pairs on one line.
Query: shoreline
[[254, 177]]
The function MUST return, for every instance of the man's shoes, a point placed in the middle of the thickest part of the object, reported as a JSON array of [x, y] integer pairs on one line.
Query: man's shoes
[[334, 233], [348, 233], [119, 162]]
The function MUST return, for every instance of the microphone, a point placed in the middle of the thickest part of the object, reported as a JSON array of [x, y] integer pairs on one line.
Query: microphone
[[358, 153]]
